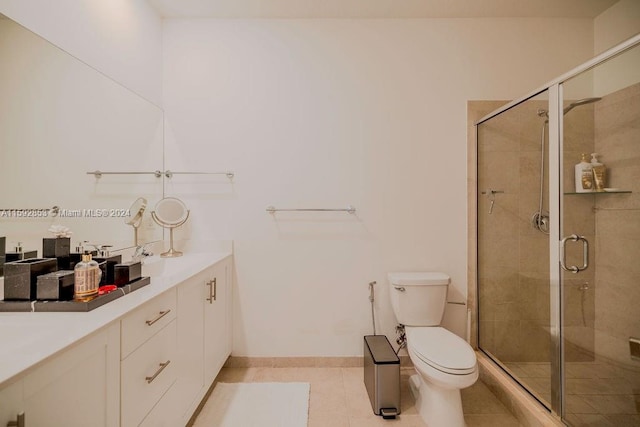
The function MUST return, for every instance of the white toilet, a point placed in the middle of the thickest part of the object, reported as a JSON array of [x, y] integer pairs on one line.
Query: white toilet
[[445, 362]]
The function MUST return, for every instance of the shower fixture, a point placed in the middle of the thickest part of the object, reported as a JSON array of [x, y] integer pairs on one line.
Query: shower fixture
[[540, 218]]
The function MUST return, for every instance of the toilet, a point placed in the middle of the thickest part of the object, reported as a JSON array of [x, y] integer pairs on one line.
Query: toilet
[[444, 362]]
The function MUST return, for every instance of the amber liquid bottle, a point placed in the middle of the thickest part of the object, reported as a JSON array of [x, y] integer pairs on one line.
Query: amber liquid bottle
[[87, 275]]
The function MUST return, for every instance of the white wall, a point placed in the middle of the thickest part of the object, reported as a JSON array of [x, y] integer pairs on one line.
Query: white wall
[[326, 113], [121, 38]]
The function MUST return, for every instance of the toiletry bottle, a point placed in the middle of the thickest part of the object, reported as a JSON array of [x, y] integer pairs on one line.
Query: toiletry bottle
[[584, 176], [87, 276], [599, 173]]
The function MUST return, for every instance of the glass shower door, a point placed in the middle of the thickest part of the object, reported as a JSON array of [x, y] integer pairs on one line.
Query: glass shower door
[[513, 243], [600, 245]]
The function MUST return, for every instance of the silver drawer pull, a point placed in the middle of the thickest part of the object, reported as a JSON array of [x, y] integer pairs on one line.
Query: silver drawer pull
[[160, 316], [19, 421], [399, 288], [212, 290], [160, 369]]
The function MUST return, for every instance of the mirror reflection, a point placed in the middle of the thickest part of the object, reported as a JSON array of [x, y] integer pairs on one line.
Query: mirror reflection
[[59, 119]]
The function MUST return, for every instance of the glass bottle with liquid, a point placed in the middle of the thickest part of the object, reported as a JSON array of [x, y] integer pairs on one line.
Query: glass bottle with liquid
[[87, 275]]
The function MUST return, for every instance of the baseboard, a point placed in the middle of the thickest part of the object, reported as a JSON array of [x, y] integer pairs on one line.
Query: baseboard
[[303, 362]]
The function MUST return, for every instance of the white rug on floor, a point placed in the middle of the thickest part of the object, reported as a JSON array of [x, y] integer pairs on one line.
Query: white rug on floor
[[259, 404]]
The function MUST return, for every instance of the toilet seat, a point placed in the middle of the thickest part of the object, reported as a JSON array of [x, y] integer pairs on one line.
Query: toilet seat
[[441, 349]]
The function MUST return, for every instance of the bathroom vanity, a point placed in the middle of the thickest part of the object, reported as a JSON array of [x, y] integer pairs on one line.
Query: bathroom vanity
[[147, 358]]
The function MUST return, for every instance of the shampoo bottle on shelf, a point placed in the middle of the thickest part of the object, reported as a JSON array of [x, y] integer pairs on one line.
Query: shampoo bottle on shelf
[[87, 275], [584, 176], [599, 173]]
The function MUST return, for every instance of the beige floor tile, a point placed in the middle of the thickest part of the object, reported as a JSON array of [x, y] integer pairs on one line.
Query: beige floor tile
[[491, 420], [624, 420], [327, 398], [236, 375], [577, 405], [338, 398], [587, 420], [612, 404], [328, 421]]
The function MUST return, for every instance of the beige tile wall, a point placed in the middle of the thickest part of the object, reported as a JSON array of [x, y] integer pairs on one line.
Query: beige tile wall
[[617, 292]]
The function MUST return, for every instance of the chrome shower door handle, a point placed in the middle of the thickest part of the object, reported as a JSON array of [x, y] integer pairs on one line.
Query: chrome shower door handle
[[585, 253]]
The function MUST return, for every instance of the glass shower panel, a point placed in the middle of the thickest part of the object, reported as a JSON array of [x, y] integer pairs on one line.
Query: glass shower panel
[[513, 243], [601, 303]]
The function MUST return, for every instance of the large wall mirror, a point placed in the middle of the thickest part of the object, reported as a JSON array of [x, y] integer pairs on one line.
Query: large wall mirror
[[59, 119]]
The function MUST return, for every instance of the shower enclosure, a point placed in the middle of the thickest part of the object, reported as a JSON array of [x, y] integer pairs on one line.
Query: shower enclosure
[[558, 271]]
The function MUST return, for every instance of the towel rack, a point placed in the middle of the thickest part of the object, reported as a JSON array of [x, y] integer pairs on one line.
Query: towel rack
[[98, 173], [158, 173], [229, 174], [349, 209]]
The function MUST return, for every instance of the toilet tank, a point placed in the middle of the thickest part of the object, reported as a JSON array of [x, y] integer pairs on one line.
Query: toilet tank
[[418, 299]]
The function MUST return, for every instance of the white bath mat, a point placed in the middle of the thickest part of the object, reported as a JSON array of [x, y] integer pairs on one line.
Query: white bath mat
[[258, 404]]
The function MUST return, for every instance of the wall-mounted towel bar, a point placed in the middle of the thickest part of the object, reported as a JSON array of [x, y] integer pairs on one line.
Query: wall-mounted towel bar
[[169, 173], [98, 173], [158, 174], [349, 209]]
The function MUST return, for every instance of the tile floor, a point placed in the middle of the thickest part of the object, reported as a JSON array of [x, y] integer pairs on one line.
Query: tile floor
[[338, 398], [598, 394]]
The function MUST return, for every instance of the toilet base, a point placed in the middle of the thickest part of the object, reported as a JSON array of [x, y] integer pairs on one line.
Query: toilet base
[[438, 407]]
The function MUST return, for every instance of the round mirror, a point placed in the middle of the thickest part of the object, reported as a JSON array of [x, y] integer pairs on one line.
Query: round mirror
[[171, 212], [136, 210], [134, 217]]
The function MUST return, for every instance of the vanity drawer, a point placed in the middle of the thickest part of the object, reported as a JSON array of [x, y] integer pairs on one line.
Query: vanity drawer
[[141, 324], [146, 374]]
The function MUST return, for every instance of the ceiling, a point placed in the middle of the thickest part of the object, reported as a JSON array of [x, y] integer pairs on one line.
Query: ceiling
[[380, 8]]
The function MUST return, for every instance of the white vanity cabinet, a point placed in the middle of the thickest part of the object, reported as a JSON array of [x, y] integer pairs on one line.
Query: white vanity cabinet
[[148, 360], [74, 388], [203, 343]]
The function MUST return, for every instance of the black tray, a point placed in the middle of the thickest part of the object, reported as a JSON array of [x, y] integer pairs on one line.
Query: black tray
[[50, 306]]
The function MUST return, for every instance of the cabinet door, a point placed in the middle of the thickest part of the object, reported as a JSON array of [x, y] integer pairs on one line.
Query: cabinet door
[[215, 322], [79, 387], [181, 397], [10, 403]]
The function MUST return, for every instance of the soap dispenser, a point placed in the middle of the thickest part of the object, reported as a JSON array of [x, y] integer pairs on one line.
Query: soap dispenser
[[87, 275], [584, 176], [599, 173]]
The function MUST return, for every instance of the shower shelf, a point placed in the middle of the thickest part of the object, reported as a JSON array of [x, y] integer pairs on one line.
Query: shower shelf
[[600, 192]]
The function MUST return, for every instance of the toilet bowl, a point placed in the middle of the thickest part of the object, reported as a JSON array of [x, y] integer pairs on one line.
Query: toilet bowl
[[444, 362]]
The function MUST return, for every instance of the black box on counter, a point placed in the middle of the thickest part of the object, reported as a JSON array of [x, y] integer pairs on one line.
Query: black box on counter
[[59, 248], [127, 272], [19, 256], [57, 285], [108, 275], [20, 277]]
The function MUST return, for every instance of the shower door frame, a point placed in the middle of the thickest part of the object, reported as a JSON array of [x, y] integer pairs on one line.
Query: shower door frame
[[556, 209]]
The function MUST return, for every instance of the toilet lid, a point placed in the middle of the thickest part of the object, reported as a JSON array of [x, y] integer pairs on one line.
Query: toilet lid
[[442, 349]]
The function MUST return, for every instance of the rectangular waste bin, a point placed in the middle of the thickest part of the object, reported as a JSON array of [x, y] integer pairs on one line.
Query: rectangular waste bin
[[382, 375]]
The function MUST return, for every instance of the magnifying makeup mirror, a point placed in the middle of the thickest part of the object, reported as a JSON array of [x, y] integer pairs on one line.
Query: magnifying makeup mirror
[[136, 210], [170, 213]]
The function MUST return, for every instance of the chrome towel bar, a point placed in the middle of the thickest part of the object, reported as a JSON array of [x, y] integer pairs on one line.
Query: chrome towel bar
[[349, 209]]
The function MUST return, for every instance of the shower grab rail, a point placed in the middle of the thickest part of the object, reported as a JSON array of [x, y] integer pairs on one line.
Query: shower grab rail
[[349, 209], [585, 253]]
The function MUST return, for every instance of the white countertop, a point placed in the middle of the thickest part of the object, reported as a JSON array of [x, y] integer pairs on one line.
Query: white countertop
[[27, 339]]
